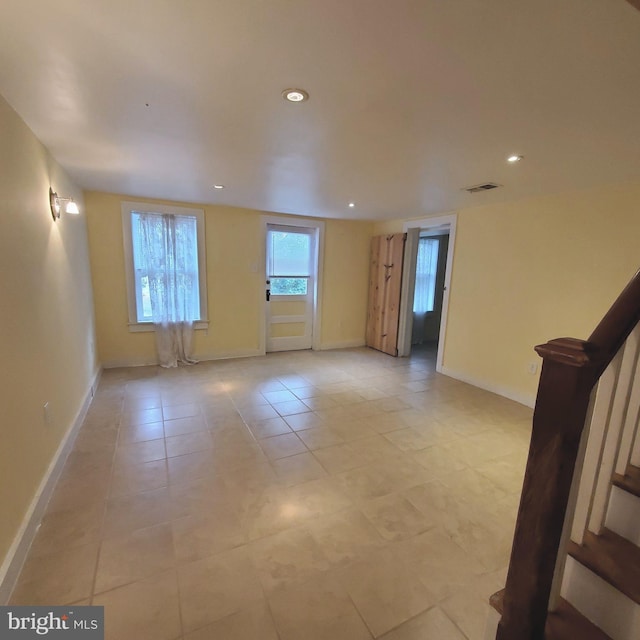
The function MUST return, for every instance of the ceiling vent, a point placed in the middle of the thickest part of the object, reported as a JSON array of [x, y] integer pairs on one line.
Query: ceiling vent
[[482, 187]]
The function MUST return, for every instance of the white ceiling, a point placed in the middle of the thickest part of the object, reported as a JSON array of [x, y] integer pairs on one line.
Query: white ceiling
[[410, 100]]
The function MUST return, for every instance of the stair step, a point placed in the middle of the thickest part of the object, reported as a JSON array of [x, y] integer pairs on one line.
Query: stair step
[[612, 558], [565, 623], [630, 481], [606, 607], [623, 515]]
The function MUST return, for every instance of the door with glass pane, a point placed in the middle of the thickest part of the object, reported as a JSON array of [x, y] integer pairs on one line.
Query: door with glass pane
[[290, 287]]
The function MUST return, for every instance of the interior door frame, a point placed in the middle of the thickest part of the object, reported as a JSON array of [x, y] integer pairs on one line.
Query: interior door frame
[[446, 224], [305, 223]]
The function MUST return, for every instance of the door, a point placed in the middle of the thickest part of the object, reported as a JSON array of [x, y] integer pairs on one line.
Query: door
[[438, 226], [385, 279], [290, 287]]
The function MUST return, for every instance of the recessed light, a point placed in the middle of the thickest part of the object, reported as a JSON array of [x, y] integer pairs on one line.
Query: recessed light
[[218, 186], [352, 204], [514, 158], [295, 95]]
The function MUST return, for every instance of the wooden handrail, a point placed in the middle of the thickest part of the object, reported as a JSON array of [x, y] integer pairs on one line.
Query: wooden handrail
[[570, 370], [617, 324], [634, 3]]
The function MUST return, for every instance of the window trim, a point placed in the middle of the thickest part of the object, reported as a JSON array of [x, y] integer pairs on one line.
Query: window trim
[[432, 302], [127, 209]]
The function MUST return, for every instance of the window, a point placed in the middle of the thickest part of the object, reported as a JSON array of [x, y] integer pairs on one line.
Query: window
[[164, 256], [289, 262], [289, 286], [426, 269]]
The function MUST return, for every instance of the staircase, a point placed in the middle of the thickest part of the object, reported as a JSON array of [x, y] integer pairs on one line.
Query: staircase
[[612, 557], [575, 563]]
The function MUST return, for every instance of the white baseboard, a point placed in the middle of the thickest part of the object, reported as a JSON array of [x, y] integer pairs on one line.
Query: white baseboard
[[129, 362], [224, 355], [13, 561], [343, 344], [526, 399], [229, 355], [201, 357]]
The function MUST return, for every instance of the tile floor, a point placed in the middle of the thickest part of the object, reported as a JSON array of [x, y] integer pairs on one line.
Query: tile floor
[[311, 495]]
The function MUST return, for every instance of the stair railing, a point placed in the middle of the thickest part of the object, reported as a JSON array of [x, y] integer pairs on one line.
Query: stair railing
[[612, 432], [568, 407]]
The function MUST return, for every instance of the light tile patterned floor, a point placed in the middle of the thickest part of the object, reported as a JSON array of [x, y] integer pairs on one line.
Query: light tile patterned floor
[[308, 495]]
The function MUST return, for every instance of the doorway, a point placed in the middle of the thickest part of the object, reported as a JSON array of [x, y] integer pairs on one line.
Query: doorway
[[291, 286], [428, 294], [425, 293]]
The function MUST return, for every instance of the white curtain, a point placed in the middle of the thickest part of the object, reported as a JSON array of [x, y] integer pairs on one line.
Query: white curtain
[[169, 259], [426, 268]]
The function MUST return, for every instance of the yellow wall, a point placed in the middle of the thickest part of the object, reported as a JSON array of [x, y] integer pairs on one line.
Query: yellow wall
[[47, 337], [234, 240], [346, 282], [528, 271]]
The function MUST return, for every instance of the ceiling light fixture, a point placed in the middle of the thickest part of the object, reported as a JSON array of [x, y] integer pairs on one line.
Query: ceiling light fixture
[[295, 95], [352, 204], [514, 158], [55, 203], [218, 186]]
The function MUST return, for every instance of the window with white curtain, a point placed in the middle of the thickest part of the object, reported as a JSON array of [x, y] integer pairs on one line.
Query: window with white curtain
[[426, 269], [164, 255]]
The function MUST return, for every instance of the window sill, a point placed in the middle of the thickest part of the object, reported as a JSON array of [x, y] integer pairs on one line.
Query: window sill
[[147, 327]]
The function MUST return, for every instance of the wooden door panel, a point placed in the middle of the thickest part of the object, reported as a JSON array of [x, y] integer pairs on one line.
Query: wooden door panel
[[393, 278], [376, 293], [385, 279]]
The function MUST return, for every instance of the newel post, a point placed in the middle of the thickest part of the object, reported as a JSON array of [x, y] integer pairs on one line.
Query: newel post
[[568, 376]]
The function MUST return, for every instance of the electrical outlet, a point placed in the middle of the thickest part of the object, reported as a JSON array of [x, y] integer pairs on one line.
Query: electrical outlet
[[47, 413], [533, 368]]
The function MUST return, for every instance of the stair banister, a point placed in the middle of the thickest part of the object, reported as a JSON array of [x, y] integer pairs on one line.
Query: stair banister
[[570, 370], [617, 324]]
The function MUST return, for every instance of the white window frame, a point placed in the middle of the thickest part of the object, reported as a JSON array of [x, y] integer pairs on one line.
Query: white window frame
[[435, 273], [145, 207], [310, 278]]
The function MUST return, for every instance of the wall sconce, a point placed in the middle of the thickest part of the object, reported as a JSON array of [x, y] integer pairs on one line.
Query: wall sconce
[[55, 202]]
